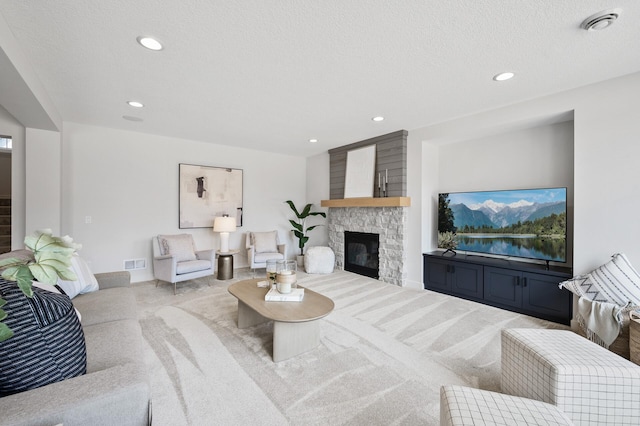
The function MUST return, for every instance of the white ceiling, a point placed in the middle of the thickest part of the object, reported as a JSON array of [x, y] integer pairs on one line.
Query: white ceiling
[[271, 74]]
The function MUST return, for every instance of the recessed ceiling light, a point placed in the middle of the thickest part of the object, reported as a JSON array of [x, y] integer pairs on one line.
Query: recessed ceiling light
[[313, 140], [503, 76], [378, 118], [135, 104], [131, 118], [149, 42]]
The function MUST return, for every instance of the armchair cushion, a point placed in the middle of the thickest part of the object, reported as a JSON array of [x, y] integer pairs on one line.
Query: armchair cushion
[[265, 242], [180, 246], [192, 266]]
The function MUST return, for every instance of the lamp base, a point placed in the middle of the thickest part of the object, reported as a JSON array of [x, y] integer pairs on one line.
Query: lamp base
[[224, 242]]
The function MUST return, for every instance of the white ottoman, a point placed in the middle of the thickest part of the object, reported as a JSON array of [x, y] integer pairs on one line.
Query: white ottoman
[[319, 260], [588, 383], [460, 406]]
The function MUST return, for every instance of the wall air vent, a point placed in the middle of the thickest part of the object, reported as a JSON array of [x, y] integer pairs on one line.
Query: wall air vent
[[133, 264]]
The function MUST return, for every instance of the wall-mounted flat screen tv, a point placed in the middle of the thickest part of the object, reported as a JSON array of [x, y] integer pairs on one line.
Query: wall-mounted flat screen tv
[[529, 223]]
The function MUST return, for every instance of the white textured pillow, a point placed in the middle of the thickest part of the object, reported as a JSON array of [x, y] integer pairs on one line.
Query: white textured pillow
[[582, 286], [265, 242], [86, 281], [618, 281], [180, 246]]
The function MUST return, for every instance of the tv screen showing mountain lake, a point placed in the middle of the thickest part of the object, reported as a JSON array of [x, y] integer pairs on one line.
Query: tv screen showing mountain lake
[[520, 223]]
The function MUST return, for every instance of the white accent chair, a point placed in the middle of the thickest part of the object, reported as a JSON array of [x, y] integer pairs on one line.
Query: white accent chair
[[175, 259], [263, 246]]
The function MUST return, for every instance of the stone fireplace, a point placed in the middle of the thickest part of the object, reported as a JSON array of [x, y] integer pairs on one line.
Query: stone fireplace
[[383, 213], [390, 225]]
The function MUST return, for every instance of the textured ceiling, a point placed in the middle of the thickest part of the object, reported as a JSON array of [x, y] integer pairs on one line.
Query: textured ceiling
[[271, 74]]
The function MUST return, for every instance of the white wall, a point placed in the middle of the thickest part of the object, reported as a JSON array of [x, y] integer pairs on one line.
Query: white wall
[[42, 200], [127, 183], [318, 190], [606, 176]]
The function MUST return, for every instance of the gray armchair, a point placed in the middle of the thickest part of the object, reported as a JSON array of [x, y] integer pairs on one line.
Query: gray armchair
[[175, 259], [263, 246]]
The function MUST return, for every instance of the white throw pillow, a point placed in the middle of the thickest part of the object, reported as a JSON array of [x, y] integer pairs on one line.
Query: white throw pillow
[[265, 242], [180, 246], [614, 282], [86, 281]]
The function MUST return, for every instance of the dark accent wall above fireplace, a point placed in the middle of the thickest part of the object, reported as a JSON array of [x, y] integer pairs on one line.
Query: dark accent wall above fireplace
[[391, 155]]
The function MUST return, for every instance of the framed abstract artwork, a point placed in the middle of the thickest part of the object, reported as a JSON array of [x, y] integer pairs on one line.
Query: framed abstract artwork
[[206, 192]]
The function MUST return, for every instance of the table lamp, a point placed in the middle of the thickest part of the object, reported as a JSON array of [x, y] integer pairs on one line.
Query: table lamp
[[224, 225]]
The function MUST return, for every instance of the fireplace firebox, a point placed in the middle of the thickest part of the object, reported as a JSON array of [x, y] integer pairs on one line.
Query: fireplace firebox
[[361, 253]]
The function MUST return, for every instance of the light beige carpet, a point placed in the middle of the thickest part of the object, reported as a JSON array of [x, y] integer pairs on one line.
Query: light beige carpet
[[384, 353]]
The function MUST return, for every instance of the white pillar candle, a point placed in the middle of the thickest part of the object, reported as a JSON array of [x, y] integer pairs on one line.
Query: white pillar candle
[[284, 288]]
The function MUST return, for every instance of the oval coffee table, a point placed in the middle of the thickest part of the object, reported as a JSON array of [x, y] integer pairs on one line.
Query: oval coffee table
[[295, 326]]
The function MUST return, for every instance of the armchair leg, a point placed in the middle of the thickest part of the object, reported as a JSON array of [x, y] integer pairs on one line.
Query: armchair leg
[[174, 289], [157, 281]]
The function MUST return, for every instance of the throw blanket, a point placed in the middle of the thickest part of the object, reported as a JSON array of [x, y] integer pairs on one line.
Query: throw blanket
[[600, 320]]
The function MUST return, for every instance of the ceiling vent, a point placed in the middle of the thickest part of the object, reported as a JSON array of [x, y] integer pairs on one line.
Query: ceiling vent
[[601, 20]]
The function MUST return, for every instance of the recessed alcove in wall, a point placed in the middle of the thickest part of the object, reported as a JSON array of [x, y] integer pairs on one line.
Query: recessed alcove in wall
[[534, 154]]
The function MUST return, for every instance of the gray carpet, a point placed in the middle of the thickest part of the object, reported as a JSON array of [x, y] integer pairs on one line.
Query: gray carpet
[[384, 353]]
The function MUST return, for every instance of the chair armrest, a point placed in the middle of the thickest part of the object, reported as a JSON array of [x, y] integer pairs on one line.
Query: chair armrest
[[282, 249], [113, 279], [206, 255], [164, 268]]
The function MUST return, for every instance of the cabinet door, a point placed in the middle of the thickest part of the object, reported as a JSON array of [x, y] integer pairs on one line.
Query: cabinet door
[[502, 286], [436, 274], [540, 294], [467, 280]]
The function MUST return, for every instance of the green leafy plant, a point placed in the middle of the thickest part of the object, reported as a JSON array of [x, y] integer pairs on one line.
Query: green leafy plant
[[299, 227], [447, 240], [51, 260]]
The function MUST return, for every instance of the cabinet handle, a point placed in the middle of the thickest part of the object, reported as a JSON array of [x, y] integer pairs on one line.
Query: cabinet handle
[[524, 281], [517, 281]]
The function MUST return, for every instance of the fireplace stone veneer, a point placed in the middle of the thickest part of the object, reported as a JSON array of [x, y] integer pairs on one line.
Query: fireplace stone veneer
[[388, 222]]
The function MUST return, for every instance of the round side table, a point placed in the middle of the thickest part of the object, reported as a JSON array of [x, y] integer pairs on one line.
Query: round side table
[[225, 264]]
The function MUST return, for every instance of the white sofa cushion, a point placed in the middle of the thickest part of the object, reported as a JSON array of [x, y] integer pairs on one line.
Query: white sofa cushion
[[86, 282], [616, 281]]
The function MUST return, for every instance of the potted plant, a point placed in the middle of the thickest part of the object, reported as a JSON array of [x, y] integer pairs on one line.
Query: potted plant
[[50, 259], [300, 229]]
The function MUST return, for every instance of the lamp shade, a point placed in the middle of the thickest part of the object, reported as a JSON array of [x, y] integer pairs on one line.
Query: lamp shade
[[224, 224]]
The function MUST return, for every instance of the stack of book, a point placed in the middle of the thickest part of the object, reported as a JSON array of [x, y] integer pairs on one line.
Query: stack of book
[[273, 295]]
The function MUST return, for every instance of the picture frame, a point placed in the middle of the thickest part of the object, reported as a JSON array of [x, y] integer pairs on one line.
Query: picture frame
[[206, 192], [359, 177]]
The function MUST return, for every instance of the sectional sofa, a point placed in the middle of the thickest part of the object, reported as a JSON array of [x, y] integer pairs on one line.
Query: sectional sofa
[[115, 388]]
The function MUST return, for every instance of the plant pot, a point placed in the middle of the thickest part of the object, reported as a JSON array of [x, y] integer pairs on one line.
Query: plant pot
[[300, 259]]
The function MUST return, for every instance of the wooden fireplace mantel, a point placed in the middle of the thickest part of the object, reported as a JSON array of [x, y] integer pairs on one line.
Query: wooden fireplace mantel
[[368, 202]]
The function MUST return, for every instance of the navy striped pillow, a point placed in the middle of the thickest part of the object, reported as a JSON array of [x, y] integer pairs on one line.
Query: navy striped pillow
[[48, 343]]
